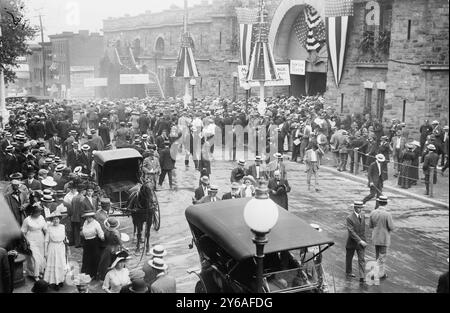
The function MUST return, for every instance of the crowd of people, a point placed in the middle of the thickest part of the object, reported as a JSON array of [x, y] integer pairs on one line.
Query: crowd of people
[[47, 152]]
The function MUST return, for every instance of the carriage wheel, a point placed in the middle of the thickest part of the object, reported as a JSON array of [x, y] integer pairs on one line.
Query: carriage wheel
[[156, 221]]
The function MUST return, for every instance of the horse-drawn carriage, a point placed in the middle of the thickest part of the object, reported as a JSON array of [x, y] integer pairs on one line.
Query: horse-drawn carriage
[[119, 175]]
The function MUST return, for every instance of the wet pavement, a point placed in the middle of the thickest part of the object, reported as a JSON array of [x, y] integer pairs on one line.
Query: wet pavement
[[415, 260]]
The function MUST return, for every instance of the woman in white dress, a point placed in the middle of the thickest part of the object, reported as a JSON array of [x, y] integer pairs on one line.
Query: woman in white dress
[[34, 228], [55, 252], [118, 276]]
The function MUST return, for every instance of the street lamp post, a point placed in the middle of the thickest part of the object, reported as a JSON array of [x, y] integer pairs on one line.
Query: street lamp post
[[235, 78], [260, 215], [247, 88], [193, 82]]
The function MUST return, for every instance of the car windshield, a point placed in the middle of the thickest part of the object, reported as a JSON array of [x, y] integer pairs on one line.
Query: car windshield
[[294, 269]]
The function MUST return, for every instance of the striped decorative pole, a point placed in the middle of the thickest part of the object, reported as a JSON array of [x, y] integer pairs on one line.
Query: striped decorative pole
[[186, 66], [262, 66]]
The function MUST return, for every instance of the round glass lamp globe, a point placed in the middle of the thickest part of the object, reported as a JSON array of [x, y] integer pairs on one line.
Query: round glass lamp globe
[[246, 86], [193, 82], [261, 215]]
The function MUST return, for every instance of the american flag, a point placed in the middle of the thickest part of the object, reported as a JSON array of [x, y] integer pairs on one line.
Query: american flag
[[247, 19], [310, 29], [337, 14]]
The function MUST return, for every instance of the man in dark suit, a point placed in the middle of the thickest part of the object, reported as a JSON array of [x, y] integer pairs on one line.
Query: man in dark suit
[[239, 172], [31, 183], [430, 162], [85, 159], [356, 240], [17, 201], [75, 211], [55, 145], [258, 170], [211, 196], [202, 190], [278, 190], [376, 177], [161, 139], [234, 193], [167, 164]]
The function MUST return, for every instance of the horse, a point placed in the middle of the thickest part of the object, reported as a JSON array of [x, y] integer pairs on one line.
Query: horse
[[142, 203]]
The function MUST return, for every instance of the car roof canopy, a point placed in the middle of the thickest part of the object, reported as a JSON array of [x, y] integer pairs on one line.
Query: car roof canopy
[[223, 222], [103, 157]]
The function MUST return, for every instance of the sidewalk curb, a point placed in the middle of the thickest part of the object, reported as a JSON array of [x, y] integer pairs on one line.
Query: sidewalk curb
[[390, 188]]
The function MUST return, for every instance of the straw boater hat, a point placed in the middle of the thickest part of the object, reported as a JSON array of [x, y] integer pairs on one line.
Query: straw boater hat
[[213, 188], [241, 162], [47, 199], [258, 158], [158, 251], [358, 204], [380, 158], [49, 181], [204, 179], [382, 200], [278, 155], [17, 176], [85, 147], [111, 223], [431, 147], [60, 167], [158, 264]]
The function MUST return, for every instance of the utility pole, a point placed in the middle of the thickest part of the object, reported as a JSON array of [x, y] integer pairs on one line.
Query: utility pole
[[44, 78], [4, 116]]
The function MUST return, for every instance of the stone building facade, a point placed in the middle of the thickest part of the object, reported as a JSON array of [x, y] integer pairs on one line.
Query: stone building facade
[[396, 67]]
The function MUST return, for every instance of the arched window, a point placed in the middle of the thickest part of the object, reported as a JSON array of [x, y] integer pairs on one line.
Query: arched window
[[159, 45], [136, 47]]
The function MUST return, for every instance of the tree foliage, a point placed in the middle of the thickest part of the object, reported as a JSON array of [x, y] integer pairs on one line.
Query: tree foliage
[[16, 32]]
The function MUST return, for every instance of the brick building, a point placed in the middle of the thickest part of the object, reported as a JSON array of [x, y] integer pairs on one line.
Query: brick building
[[35, 64], [76, 56], [395, 67]]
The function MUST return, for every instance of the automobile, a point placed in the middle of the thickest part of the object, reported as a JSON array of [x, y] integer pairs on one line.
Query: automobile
[[293, 253]]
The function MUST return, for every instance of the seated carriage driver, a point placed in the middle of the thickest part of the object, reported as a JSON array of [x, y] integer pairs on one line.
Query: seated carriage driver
[[151, 168]]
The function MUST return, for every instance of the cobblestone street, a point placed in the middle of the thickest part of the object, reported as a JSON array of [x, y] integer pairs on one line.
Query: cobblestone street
[[418, 225]]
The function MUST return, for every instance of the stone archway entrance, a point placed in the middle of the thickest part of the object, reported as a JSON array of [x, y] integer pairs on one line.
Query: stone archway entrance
[[286, 45]]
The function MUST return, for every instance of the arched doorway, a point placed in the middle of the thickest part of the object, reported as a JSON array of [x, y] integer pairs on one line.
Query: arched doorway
[[285, 37]]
